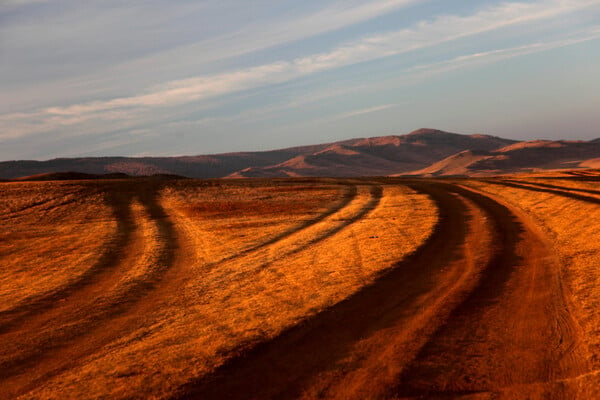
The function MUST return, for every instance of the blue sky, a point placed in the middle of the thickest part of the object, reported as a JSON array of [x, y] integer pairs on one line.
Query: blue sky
[[175, 77]]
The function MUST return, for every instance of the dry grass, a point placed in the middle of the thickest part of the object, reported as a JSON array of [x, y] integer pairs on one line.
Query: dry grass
[[246, 268], [131, 289], [51, 235], [223, 220]]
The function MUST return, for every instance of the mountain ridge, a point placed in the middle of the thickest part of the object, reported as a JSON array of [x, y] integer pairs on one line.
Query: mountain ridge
[[424, 152]]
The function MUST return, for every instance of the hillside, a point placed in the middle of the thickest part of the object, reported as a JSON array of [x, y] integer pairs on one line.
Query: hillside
[[378, 156], [529, 156], [427, 152]]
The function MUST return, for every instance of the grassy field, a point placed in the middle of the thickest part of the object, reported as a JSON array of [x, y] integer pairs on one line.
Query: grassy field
[[301, 288]]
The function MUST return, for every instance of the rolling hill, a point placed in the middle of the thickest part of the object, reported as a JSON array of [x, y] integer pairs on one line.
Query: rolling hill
[[528, 156], [426, 152]]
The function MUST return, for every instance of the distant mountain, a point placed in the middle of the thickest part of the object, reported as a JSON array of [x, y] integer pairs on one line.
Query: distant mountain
[[519, 157], [426, 152], [378, 156], [76, 176]]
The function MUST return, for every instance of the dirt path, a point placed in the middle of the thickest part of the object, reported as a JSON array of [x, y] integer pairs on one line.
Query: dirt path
[[478, 308], [316, 355], [100, 274], [262, 257], [349, 195], [43, 343], [514, 329]]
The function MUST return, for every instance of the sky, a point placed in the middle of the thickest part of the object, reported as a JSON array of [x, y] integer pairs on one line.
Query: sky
[[182, 77]]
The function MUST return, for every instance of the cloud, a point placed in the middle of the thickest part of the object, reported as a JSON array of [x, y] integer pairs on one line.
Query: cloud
[[441, 29], [407, 75], [475, 59], [328, 19], [361, 111], [423, 34], [111, 51], [410, 76]]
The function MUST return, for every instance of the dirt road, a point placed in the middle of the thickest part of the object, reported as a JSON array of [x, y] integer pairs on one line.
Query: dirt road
[[478, 308]]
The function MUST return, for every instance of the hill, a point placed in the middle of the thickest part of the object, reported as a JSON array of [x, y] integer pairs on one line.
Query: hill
[[529, 156], [427, 152], [379, 155]]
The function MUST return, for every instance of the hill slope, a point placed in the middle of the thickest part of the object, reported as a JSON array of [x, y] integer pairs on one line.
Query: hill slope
[[426, 152], [379, 156], [519, 157]]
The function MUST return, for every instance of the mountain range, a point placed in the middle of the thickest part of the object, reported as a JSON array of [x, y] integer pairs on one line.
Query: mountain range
[[424, 152]]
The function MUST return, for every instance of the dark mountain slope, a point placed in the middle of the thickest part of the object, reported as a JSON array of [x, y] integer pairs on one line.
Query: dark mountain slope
[[379, 155]]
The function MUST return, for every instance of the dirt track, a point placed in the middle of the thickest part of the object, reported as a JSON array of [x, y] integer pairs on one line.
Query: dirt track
[[513, 329], [51, 333], [479, 309], [500, 319]]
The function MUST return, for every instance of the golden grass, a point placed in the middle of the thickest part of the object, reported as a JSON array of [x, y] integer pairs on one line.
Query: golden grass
[[165, 282], [51, 234], [225, 292], [224, 220]]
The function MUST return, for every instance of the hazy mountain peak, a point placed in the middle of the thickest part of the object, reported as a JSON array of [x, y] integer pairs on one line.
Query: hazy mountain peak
[[427, 131]]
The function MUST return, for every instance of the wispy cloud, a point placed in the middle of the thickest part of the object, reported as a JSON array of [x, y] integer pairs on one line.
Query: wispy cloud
[[361, 111], [330, 18], [422, 35], [415, 74], [425, 71], [407, 76], [111, 50]]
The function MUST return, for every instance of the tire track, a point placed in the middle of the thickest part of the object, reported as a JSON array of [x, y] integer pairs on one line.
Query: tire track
[[83, 337], [376, 192], [556, 187], [49, 204], [487, 343], [563, 193], [583, 176], [46, 344], [349, 195], [284, 366], [120, 203], [231, 272]]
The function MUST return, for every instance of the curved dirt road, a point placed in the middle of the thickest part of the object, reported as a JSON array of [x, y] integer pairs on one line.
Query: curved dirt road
[[513, 333], [478, 308]]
